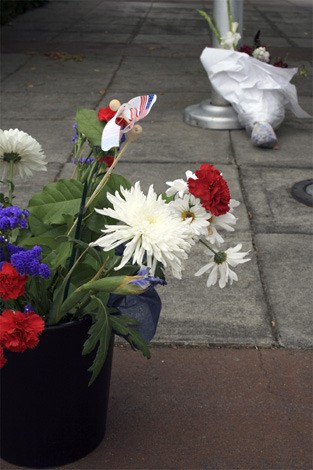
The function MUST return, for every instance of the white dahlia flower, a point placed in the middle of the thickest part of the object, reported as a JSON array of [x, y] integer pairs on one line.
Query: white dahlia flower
[[218, 267], [22, 152], [189, 209], [147, 228]]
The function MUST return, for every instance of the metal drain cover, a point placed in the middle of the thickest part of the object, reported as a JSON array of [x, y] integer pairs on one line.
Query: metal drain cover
[[303, 192]]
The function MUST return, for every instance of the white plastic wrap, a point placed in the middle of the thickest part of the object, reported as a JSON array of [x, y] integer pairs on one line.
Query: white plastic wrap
[[257, 91]]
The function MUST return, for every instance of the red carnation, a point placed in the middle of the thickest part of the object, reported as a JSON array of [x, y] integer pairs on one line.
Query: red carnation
[[105, 114], [107, 159], [2, 358], [211, 188], [12, 285], [19, 331]]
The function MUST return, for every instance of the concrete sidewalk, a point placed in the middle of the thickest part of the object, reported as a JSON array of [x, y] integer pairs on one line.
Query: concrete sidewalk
[[123, 49]]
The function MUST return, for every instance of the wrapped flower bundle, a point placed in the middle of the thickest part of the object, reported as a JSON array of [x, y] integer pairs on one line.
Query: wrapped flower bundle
[[258, 91], [97, 245]]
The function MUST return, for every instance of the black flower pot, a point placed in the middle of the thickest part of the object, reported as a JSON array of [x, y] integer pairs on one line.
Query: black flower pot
[[49, 415]]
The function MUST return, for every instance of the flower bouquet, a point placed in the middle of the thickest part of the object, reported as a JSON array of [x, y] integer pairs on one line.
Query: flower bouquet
[[257, 90], [95, 246]]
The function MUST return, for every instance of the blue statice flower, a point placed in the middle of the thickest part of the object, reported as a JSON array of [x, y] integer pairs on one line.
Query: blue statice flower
[[147, 280], [8, 249], [28, 262], [12, 217], [86, 160], [75, 136]]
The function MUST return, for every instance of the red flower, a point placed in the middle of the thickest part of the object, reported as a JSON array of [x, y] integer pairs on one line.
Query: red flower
[[211, 188], [105, 114], [107, 159], [247, 49], [280, 63], [12, 285], [2, 358], [19, 331]]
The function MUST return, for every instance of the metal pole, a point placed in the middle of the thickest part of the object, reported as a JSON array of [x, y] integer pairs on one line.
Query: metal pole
[[217, 113]]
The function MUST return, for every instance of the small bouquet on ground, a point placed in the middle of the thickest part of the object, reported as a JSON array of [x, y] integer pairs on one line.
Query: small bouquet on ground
[[96, 245], [257, 90]]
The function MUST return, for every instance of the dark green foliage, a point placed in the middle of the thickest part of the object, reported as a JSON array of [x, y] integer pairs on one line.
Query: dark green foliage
[[12, 8]]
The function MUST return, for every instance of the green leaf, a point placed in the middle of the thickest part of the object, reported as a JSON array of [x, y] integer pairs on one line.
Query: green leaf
[[95, 221], [88, 124], [48, 206], [100, 335], [124, 326]]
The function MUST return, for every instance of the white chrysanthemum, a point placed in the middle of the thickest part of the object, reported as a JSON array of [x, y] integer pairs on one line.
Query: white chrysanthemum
[[147, 228], [189, 209], [218, 267], [261, 54], [224, 222], [179, 186], [231, 38], [23, 150]]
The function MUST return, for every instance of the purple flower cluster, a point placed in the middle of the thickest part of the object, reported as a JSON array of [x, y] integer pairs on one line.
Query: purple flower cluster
[[12, 217], [75, 137], [28, 262], [86, 160]]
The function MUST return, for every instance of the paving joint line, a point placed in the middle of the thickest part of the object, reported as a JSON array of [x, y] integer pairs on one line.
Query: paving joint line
[[269, 311]]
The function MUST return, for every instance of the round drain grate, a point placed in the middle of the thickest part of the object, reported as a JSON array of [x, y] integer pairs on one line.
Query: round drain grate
[[303, 192]]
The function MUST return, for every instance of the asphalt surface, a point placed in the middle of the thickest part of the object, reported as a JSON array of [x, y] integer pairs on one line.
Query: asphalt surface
[[229, 385]]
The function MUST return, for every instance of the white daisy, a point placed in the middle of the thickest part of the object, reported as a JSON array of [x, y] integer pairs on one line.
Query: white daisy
[[189, 209], [179, 186], [147, 228], [21, 149], [219, 266], [224, 222]]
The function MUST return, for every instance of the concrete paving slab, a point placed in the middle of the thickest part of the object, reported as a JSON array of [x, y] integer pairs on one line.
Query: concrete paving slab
[[187, 27], [53, 135], [170, 81], [102, 37], [31, 106], [286, 263], [10, 63], [164, 39], [195, 314], [270, 203], [164, 65], [294, 142], [43, 74], [180, 143]]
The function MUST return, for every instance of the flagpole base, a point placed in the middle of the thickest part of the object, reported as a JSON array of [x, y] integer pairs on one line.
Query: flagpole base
[[210, 116]]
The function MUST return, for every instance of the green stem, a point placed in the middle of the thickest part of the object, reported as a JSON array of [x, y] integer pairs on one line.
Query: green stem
[[77, 235], [208, 246], [10, 181], [230, 18], [213, 28]]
